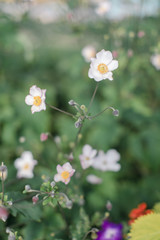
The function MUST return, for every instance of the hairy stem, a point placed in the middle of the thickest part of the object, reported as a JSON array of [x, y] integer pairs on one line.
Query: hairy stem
[[93, 96], [60, 110]]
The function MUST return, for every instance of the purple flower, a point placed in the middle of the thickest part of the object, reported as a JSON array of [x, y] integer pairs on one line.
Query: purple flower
[[110, 231]]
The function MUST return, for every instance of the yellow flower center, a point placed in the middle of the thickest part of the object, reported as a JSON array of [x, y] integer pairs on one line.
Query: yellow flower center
[[37, 101], [87, 158], [102, 68], [65, 175], [26, 166]]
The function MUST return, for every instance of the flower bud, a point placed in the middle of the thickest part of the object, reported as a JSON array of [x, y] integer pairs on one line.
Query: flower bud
[[116, 112], [52, 194], [43, 137], [78, 123], [53, 184], [109, 206], [3, 172], [69, 204], [83, 107], [3, 214], [72, 103], [27, 188], [35, 199]]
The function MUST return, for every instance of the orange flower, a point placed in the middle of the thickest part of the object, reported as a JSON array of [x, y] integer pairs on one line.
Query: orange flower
[[137, 212]]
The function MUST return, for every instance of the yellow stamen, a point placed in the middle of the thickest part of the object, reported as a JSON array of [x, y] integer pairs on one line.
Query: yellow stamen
[[65, 175], [87, 158], [26, 166], [102, 68], [37, 101]]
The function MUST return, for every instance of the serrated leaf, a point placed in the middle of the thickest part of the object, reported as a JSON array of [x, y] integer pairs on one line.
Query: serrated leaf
[[146, 228]]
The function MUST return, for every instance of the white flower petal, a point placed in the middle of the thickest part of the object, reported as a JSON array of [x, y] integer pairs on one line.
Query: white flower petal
[[108, 75], [87, 149], [57, 178], [112, 155], [67, 167], [29, 100], [59, 169], [35, 91], [113, 65]]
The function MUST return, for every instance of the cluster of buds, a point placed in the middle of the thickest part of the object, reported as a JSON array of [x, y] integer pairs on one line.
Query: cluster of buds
[[82, 113]]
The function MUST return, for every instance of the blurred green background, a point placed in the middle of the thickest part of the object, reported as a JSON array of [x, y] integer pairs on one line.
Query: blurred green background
[[49, 56]]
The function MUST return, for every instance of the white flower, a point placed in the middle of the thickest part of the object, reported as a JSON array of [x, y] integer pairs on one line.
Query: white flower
[[36, 98], [107, 161], [103, 7], [25, 165], [65, 173], [102, 66], [155, 60], [88, 52], [87, 156], [93, 179]]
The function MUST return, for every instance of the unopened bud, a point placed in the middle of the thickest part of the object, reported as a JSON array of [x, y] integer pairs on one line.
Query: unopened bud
[[52, 194], [43, 137], [83, 107], [72, 103], [35, 199], [109, 206], [3, 172], [69, 204], [116, 112], [10, 203], [27, 188], [78, 124], [3, 214], [53, 184]]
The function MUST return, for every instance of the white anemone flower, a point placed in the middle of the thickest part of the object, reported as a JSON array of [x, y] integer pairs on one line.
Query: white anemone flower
[[93, 179], [36, 99], [65, 173], [155, 60], [87, 156], [103, 8], [107, 161], [88, 52], [102, 66], [25, 165]]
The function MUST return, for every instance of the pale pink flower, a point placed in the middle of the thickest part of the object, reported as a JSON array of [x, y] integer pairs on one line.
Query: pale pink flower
[[88, 52], [87, 156], [65, 173], [141, 34], [103, 8], [43, 137], [3, 214], [36, 99], [93, 179], [25, 165], [155, 60], [115, 54], [102, 66], [107, 161]]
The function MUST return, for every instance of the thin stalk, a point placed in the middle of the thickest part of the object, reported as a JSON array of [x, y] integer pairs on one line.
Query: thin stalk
[[64, 217], [2, 188], [93, 96], [60, 110], [101, 112]]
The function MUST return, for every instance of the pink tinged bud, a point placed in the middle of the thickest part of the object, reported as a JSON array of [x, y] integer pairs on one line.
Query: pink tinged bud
[[115, 54], [43, 137], [109, 206], [141, 34], [3, 214], [35, 199]]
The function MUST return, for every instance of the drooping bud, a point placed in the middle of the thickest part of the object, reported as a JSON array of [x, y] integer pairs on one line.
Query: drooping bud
[[52, 194], [3, 172], [27, 188], [78, 123], [72, 103], [116, 112], [35, 199]]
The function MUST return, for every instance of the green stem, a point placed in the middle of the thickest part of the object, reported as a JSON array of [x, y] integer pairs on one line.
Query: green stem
[[57, 109], [93, 96], [101, 112]]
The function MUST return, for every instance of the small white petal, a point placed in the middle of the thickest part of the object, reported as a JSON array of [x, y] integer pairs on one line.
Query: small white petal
[[113, 65], [35, 91], [67, 167], [57, 178], [59, 169], [29, 100]]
